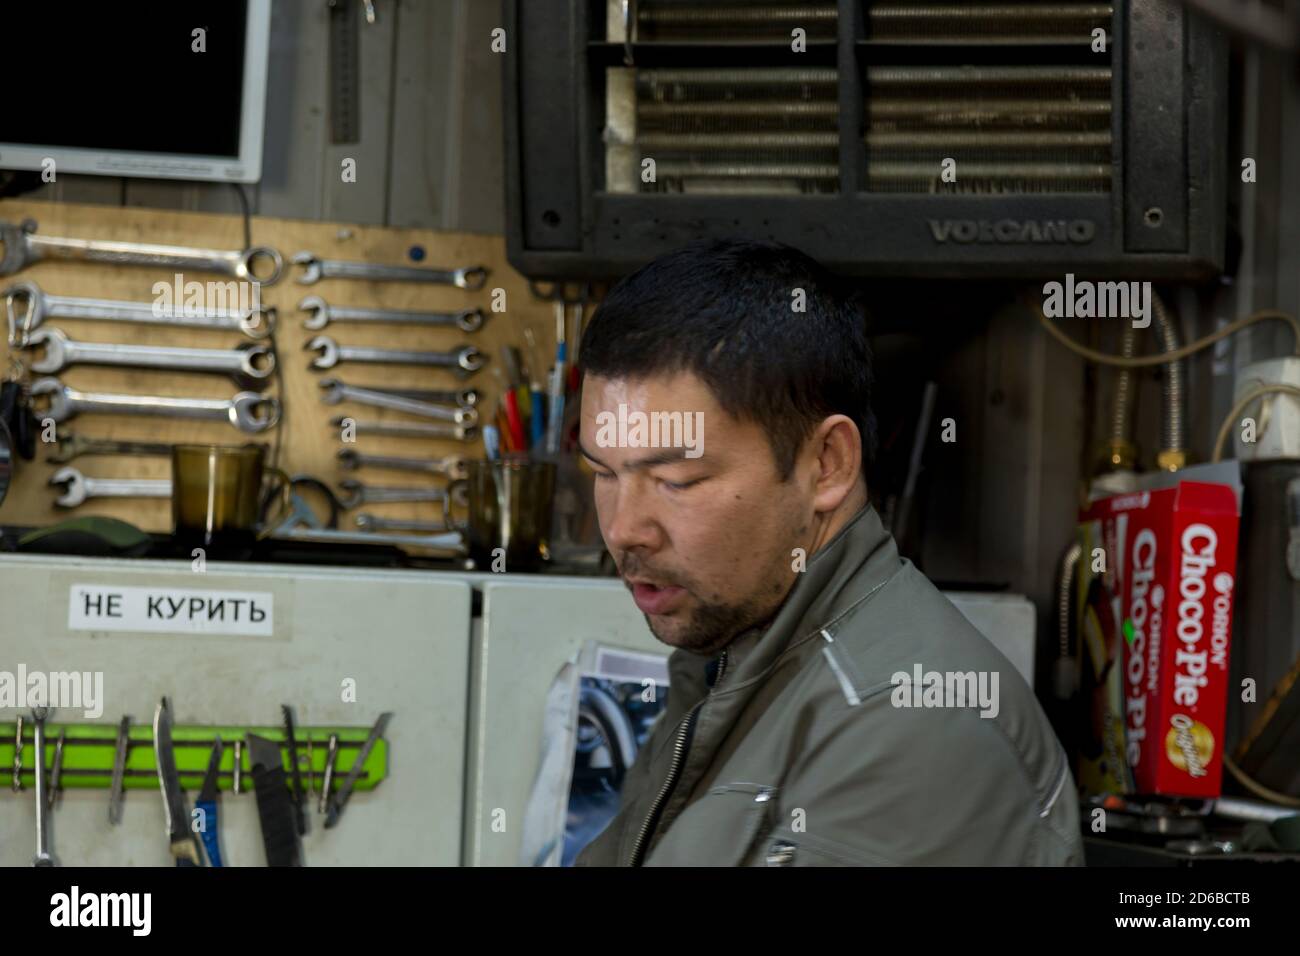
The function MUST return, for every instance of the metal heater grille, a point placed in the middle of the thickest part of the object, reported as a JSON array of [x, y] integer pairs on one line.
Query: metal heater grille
[[634, 126], [695, 20], [1010, 126], [709, 129]]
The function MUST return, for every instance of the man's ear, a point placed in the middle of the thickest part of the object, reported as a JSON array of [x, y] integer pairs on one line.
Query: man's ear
[[837, 443]]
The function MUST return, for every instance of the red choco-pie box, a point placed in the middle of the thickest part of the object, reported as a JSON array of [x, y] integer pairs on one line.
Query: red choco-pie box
[[1174, 554]]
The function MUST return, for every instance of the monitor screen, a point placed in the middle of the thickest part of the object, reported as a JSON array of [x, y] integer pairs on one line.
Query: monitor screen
[[146, 88]]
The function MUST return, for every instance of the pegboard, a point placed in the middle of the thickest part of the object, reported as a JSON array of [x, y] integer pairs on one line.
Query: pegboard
[[309, 444]]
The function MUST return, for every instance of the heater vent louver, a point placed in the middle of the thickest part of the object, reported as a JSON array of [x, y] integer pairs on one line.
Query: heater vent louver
[[889, 138]]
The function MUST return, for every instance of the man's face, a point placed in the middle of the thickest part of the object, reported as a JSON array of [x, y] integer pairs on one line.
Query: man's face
[[704, 543]]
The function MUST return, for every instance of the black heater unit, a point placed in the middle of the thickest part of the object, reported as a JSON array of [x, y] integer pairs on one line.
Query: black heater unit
[[912, 139]]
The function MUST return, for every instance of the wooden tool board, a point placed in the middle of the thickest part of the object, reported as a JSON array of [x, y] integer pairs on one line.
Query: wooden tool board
[[308, 442]]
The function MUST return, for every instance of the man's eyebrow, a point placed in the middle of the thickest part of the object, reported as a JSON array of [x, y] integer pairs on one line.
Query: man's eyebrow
[[589, 456], [665, 457]]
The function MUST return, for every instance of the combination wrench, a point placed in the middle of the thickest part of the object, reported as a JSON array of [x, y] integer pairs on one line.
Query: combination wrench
[[464, 397], [437, 430], [315, 269], [75, 445], [369, 522], [464, 361], [451, 541], [23, 247], [322, 313], [249, 366], [254, 323], [78, 487], [334, 391], [450, 467], [357, 493], [242, 410]]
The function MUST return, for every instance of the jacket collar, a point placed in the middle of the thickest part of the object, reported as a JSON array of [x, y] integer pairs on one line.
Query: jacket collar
[[860, 558]]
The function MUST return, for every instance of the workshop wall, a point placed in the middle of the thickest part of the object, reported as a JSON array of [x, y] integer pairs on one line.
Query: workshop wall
[[1000, 504], [430, 150]]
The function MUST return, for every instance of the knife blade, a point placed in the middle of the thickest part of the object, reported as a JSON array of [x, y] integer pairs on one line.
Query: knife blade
[[207, 804], [184, 848], [274, 803]]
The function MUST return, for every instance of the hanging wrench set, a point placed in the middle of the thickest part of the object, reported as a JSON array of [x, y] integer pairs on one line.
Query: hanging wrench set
[[453, 413], [248, 366]]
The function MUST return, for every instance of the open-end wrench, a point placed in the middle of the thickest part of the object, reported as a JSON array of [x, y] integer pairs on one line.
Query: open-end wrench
[[75, 445], [77, 487], [450, 467], [242, 410], [246, 365], [22, 247], [334, 391], [36, 307], [464, 397], [451, 541], [408, 429], [314, 269], [357, 493], [43, 857], [322, 313], [369, 522], [464, 361]]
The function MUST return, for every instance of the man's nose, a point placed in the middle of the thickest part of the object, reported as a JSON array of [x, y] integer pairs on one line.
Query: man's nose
[[631, 522]]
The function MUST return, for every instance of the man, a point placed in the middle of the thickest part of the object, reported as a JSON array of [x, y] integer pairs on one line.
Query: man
[[792, 734]]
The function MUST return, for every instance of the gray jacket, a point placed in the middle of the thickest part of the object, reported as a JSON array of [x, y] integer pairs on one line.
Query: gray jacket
[[801, 753]]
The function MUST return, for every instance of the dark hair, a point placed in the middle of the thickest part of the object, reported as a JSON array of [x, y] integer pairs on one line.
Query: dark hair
[[724, 310]]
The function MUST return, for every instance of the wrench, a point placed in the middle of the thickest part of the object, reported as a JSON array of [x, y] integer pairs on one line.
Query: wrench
[[22, 248], [369, 522], [43, 857], [335, 391], [358, 493], [75, 445], [464, 397], [246, 365], [255, 323], [322, 313], [240, 411], [315, 269], [451, 541], [409, 429], [464, 361], [449, 467], [77, 487]]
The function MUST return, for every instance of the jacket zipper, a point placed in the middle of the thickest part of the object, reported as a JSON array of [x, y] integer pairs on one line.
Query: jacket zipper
[[674, 768]]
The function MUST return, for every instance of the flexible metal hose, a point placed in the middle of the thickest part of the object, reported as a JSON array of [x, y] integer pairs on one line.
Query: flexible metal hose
[[1122, 415], [1173, 434], [1064, 676]]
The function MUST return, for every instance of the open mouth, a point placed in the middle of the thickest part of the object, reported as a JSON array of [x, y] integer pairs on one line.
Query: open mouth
[[655, 598]]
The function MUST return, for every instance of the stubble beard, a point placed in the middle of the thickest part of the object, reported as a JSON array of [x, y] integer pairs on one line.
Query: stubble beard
[[706, 628]]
